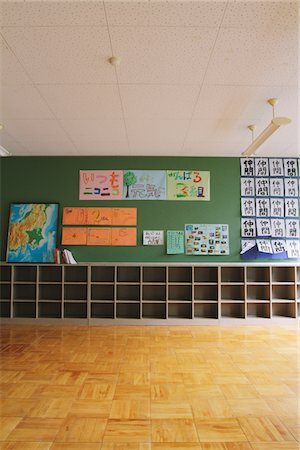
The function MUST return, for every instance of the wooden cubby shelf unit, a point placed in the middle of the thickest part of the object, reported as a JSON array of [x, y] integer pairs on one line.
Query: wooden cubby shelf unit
[[145, 293]]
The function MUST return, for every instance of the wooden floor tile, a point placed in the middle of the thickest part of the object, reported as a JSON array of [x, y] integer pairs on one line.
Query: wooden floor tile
[[90, 408], [125, 446], [170, 410], [273, 389], [134, 378], [162, 377], [130, 409], [83, 429], [35, 430], [7, 425], [127, 391], [173, 430], [56, 408], [226, 446], [25, 445], [76, 446], [238, 391], [127, 431], [199, 391], [57, 391], [168, 392], [249, 407], [264, 429], [276, 446], [19, 408], [220, 430], [207, 408], [71, 378], [176, 446], [103, 391]]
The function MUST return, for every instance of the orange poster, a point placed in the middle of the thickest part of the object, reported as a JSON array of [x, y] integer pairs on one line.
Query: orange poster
[[124, 216], [74, 216], [123, 236], [99, 216], [74, 236], [99, 236]]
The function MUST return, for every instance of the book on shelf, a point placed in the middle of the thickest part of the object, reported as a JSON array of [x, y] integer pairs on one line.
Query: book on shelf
[[68, 257], [57, 256]]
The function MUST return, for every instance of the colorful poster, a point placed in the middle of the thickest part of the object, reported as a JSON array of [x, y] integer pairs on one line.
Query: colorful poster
[[99, 216], [123, 236], [74, 236], [188, 185], [101, 185], [74, 216], [153, 237], [175, 242], [124, 216], [207, 239], [144, 185], [99, 236], [32, 232]]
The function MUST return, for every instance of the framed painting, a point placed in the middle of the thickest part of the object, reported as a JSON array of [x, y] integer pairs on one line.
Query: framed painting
[[32, 232]]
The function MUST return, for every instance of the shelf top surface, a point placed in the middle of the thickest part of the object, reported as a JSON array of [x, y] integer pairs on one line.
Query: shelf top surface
[[159, 264]]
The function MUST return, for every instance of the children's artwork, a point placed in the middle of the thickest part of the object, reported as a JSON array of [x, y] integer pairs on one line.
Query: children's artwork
[[290, 167], [74, 216], [248, 228], [292, 228], [144, 185], [276, 187], [262, 188], [261, 167], [124, 216], [291, 188], [278, 246], [188, 185], [276, 167], [293, 248], [248, 206], [99, 236], [175, 242], [123, 236], [74, 236], [278, 228], [207, 239], [262, 207], [263, 227], [153, 237], [32, 232], [264, 246], [246, 245], [247, 187], [291, 207], [277, 207], [101, 185], [99, 216], [247, 167]]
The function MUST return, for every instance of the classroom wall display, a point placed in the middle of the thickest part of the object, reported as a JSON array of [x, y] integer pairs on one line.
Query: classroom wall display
[[188, 185], [153, 237], [74, 236], [32, 232], [270, 207], [144, 185], [175, 242], [101, 185], [99, 216], [207, 239]]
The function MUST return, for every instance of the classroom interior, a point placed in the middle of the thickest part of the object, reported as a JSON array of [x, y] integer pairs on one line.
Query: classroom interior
[[149, 347]]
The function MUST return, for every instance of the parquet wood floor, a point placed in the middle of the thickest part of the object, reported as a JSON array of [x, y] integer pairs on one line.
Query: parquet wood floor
[[149, 388]]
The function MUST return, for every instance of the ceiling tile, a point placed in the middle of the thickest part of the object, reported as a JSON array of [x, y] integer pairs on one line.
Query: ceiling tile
[[11, 71], [83, 101], [97, 148], [46, 148], [158, 101], [23, 102], [215, 129], [10, 144], [106, 130], [170, 55], [128, 13], [52, 13], [63, 54]]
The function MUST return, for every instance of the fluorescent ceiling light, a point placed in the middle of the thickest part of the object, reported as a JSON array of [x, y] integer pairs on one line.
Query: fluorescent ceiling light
[[4, 152], [276, 123]]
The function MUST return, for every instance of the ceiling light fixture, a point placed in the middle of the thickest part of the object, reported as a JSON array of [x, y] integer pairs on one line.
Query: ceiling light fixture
[[4, 152], [275, 123]]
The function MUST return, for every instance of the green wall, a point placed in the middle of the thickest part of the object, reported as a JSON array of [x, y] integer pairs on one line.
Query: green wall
[[56, 179]]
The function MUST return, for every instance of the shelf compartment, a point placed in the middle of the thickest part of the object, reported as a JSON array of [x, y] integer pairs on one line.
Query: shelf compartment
[[102, 310], [298, 293], [154, 311], [50, 292], [298, 274], [25, 273], [258, 274], [206, 292], [74, 273], [154, 292], [283, 274], [128, 310], [180, 274], [5, 291], [205, 274], [5, 273], [232, 274], [283, 310], [261, 310], [103, 274], [75, 310], [179, 311], [24, 309], [24, 292], [154, 274], [52, 274], [206, 310], [49, 310], [232, 292], [283, 292], [298, 310], [233, 310], [75, 292], [4, 309], [128, 292], [180, 292], [128, 274], [102, 292], [258, 292]]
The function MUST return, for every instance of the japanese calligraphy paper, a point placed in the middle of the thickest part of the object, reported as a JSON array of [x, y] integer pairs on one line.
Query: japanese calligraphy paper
[[291, 207], [290, 167], [248, 228], [276, 187], [144, 185], [264, 246], [175, 242], [276, 167], [291, 187], [247, 187], [248, 206], [292, 228], [74, 236], [278, 246], [101, 185], [277, 207], [188, 185], [74, 216], [207, 239], [278, 228], [262, 188], [153, 237], [293, 248], [247, 167], [261, 167], [262, 207], [263, 227]]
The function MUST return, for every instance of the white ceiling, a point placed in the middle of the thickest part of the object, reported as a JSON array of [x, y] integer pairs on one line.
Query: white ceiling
[[192, 76]]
